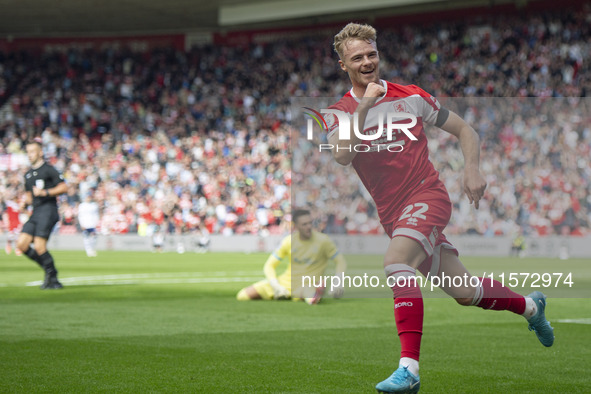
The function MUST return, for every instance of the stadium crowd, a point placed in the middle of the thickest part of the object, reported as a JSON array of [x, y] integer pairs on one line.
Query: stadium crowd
[[203, 139]]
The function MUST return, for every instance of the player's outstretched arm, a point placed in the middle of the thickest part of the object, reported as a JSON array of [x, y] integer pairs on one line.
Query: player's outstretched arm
[[474, 183], [270, 271]]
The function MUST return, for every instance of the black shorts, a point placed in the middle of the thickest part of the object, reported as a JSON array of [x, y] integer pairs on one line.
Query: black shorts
[[41, 221]]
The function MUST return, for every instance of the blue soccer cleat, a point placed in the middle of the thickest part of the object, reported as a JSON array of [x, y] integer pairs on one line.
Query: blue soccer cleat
[[401, 381], [538, 322]]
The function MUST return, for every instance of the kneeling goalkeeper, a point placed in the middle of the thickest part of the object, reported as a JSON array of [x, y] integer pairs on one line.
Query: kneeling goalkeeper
[[308, 253]]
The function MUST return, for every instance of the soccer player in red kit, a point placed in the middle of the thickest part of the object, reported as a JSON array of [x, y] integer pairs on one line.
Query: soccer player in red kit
[[413, 204], [12, 222]]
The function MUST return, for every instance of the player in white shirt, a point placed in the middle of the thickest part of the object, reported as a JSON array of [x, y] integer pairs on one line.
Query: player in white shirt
[[88, 218]]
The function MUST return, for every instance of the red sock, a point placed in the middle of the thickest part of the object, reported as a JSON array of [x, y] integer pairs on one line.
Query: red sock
[[492, 295], [408, 313], [408, 309]]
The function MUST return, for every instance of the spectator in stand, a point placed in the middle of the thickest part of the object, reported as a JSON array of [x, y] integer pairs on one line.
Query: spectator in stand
[[186, 132]]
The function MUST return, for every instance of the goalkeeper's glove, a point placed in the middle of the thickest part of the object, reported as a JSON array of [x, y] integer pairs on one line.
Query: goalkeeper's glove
[[338, 292], [279, 292]]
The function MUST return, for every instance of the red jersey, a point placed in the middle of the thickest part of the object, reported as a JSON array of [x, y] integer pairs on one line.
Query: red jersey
[[12, 214], [392, 177]]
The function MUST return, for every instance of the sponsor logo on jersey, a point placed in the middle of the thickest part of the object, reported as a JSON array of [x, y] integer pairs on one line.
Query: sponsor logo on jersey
[[384, 136]]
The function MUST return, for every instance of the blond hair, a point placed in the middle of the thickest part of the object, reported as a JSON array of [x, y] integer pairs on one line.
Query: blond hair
[[353, 31]]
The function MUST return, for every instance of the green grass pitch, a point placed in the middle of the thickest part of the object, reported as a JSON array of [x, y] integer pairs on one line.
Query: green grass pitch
[[144, 322]]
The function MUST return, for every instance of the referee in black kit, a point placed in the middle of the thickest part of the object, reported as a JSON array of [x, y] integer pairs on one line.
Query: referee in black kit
[[42, 184]]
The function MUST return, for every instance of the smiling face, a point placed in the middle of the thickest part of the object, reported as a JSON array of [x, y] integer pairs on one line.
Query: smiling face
[[361, 61]]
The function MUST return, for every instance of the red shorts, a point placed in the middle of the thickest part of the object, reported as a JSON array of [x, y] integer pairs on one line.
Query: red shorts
[[422, 218]]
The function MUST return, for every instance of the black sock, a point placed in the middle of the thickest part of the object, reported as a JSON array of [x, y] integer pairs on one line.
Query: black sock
[[32, 254], [46, 261]]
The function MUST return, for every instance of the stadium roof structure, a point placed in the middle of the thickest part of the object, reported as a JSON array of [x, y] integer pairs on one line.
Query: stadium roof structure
[[38, 18]]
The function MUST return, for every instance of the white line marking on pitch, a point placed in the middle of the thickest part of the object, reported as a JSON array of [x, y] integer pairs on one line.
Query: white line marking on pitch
[[157, 278], [161, 275], [575, 321], [152, 281], [149, 281]]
